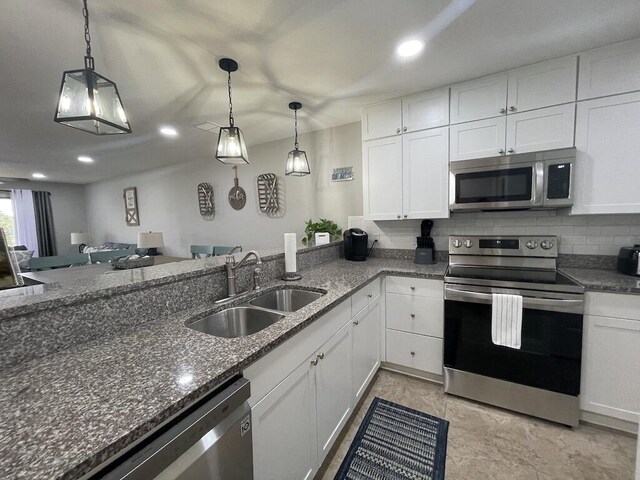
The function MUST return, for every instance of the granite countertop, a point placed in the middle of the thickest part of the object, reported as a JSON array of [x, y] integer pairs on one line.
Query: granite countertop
[[604, 280], [64, 414]]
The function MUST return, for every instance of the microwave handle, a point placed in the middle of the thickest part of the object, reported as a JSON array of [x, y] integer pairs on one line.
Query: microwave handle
[[538, 187], [527, 302]]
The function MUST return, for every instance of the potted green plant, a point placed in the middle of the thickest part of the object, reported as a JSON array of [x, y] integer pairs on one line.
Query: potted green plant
[[322, 225]]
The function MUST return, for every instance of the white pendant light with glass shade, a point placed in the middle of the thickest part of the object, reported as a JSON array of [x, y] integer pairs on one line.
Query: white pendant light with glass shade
[[231, 148], [297, 163], [88, 101]]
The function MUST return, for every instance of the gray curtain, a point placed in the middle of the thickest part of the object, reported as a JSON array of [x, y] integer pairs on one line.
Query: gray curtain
[[44, 223]]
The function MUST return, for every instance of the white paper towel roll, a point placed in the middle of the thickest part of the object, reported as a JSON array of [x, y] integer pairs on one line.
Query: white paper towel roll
[[290, 248]]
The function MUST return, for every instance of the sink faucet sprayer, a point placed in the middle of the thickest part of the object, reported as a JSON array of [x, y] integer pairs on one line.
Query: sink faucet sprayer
[[231, 266]]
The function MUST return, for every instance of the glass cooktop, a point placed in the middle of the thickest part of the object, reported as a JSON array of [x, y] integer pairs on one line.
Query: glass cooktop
[[516, 277]]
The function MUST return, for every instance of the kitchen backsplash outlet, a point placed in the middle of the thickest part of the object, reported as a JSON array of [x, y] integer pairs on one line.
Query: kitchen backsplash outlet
[[578, 234]]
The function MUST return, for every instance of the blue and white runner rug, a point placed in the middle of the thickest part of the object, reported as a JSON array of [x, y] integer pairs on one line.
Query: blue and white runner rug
[[396, 443]]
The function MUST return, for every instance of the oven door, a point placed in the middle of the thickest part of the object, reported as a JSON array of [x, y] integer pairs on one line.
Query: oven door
[[516, 186], [551, 349]]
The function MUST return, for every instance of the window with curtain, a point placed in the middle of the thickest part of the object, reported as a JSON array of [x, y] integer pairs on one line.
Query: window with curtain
[[6, 216]]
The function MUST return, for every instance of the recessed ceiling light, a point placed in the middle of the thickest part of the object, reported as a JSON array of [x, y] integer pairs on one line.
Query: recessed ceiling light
[[85, 159], [38, 175], [168, 131], [410, 48]]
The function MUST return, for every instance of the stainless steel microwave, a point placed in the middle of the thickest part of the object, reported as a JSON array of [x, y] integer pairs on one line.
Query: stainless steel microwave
[[522, 181]]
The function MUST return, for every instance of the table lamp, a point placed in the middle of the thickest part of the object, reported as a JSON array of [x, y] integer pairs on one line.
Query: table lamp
[[82, 239], [151, 241]]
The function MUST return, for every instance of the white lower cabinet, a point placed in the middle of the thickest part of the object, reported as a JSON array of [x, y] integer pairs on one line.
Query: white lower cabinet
[[284, 429], [414, 351], [333, 389], [366, 347], [611, 356]]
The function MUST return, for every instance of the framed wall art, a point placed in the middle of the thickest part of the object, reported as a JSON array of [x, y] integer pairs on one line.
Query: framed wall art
[[131, 207], [342, 174]]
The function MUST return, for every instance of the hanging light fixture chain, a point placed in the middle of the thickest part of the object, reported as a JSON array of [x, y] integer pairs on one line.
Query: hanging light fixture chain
[[230, 104], [295, 115], [88, 59]]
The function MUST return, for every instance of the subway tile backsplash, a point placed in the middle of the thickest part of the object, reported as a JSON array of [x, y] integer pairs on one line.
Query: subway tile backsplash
[[578, 235]]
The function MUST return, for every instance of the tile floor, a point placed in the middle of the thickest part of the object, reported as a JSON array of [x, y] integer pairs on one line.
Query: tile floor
[[494, 444]]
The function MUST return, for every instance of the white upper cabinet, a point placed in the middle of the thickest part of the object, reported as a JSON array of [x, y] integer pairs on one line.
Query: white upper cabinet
[[382, 120], [542, 85], [407, 114], [477, 99], [426, 171], [543, 129], [484, 138], [610, 70], [607, 143], [382, 178], [425, 110]]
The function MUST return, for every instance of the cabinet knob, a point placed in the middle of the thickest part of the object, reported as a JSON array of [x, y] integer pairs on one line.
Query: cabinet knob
[[398, 216], [512, 108], [404, 129], [321, 355], [502, 110], [370, 295], [397, 130], [356, 323], [406, 216], [501, 151], [413, 288], [413, 315], [314, 362], [412, 353], [511, 150]]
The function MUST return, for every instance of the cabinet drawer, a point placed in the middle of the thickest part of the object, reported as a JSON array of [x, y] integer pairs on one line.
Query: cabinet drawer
[[612, 305], [415, 351], [364, 296], [414, 314], [421, 287]]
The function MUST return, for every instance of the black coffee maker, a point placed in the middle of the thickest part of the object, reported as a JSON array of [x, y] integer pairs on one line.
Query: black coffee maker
[[356, 243]]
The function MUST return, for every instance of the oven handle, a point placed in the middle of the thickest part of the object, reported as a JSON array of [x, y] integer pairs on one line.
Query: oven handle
[[572, 305]]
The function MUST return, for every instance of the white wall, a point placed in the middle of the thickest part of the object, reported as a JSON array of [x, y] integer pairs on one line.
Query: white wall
[[68, 205], [167, 197]]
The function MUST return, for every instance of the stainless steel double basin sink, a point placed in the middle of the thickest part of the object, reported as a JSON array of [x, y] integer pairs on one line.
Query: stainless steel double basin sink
[[255, 315]]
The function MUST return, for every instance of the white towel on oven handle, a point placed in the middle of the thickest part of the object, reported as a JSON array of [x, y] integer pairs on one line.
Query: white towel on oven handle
[[506, 320]]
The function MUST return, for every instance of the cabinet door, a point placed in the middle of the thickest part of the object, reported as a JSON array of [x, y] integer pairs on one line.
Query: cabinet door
[[425, 110], [542, 85], [284, 428], [611, 367], [484, 138], [543, 129], [481, 98], [366, 347], [607, 143], [382, 120], [426, 171], [382, 178], [333, 389], [609, 70]]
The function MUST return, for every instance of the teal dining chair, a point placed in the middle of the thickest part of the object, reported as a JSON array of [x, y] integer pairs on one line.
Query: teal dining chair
[[197, 251], [220, 250]]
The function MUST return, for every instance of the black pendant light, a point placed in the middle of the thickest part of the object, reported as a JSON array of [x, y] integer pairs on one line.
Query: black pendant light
[[297, 163], [88, 101], [231, 148]]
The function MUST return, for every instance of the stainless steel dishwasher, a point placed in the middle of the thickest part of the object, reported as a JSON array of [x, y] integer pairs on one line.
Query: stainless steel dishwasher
[[210, 440]]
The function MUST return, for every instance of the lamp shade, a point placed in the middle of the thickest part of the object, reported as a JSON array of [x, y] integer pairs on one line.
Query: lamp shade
[[150, 240], [297, 163], [79, 238], [231, 148], [90, 102]]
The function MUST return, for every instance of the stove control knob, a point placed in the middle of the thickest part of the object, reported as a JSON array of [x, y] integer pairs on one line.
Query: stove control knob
[[531, 244], [456, 243], [468, 243], [546, 244]]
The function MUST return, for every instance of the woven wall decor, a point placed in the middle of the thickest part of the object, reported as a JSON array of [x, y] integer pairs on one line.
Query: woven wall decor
[[268, 193], [205, 200]]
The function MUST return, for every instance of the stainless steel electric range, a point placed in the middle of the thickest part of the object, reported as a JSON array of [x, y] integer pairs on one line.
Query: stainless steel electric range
[[542, 378]]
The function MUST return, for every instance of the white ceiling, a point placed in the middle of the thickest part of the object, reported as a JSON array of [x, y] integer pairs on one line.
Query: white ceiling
[[334, 56]]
